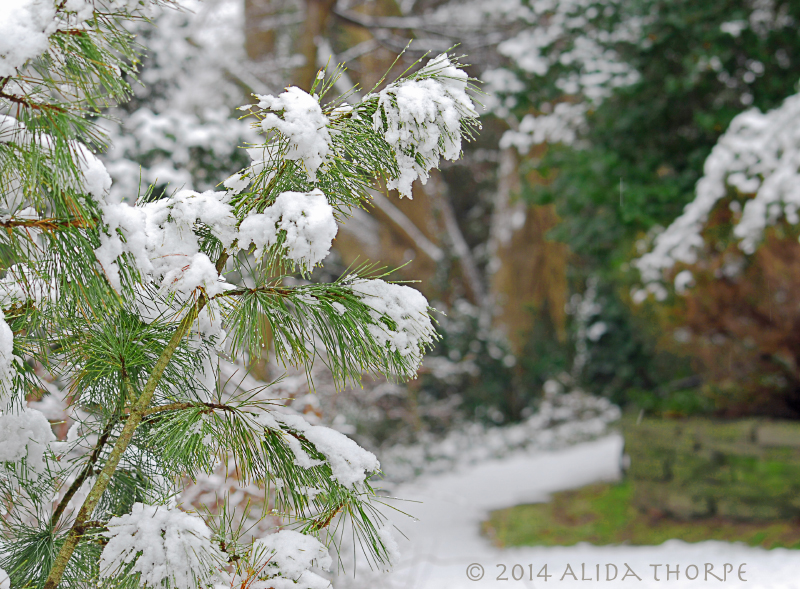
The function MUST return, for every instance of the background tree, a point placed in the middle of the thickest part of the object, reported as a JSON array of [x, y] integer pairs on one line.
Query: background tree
[[631, 98]]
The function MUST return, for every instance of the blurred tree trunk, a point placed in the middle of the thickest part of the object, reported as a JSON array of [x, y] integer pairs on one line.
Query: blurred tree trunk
[[259, 33], [525, 269], [315, 25]]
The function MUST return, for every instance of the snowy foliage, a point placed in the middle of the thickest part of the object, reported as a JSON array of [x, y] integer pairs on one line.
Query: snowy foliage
[[166, 546], [565, 50], [162, 237], [350, 463], [302, 223], [302, 123], [7, 359], [94, 178], [161, 241], [757, 162], [287, 557], [422, 120], [400, 317], [565, 33], [182, 130], [25, 435], [27, 25], [120, 299], [563, 125]]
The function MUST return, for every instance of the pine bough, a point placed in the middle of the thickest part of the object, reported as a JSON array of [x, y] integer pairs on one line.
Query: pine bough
[[130, 306]]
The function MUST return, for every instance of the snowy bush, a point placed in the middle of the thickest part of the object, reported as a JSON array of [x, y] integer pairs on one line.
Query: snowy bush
[[755, 161]]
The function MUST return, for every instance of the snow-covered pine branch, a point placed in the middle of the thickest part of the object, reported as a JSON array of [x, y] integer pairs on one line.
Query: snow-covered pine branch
[[423, 119], [127, 298], [164, 545]]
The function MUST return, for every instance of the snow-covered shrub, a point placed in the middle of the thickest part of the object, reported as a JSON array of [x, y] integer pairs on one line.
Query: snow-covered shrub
[[562, 418], [756, 162]]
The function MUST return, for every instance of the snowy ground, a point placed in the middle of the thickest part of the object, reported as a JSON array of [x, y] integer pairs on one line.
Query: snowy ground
[[445, 544]]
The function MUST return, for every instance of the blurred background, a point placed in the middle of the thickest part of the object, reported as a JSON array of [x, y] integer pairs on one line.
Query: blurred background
[[599, 120]]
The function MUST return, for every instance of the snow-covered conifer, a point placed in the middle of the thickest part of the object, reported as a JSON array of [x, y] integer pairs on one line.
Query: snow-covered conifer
[[131, 296]]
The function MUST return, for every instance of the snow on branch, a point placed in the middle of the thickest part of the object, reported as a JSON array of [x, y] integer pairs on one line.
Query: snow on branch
[[757, 163], [286, 558], [166, 546], [25, 435], [422, 118], [400, 318], [303, 124], [161, 241], [302, 223], [349, 462], [27, 25], [163, 238]]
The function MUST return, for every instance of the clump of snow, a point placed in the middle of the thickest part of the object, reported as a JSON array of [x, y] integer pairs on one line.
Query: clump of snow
[[288, 556], [421, 120], [7, 359], [161, 241], [307, 223], [757, 157], [164, 545], [596, 331], [400, 318], [302, 123], [350, 463], [96, 180], [25, 28], [734, 27], [27, 435], [5, 582], [683, 280]]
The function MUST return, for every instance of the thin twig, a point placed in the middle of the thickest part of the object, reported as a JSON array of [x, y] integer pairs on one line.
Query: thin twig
[[182, 406], [34, 105], [47, 224], [78, 482]]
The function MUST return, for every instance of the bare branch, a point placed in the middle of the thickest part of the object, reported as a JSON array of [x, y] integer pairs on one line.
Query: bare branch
[[408, 227]]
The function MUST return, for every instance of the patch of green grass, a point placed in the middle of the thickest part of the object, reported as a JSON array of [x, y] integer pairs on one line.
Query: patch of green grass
[[603, 514]]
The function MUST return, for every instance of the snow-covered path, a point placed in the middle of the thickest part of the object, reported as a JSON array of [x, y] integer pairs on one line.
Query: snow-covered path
[[445, 545]]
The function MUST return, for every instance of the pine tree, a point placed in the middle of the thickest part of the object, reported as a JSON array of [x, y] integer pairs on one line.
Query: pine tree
[[133, 306]]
